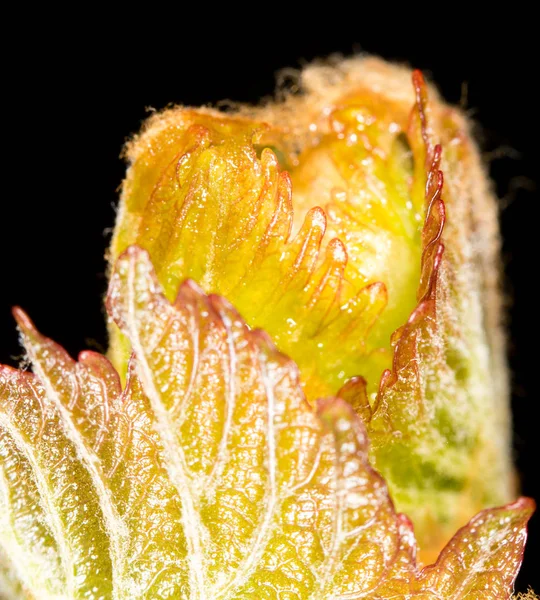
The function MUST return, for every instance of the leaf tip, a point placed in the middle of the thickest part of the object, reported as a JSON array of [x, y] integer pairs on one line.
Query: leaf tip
[[24, 322]]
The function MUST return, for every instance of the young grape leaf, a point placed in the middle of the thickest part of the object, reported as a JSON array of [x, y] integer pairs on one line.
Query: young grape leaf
[[321, 219], [209, 475]]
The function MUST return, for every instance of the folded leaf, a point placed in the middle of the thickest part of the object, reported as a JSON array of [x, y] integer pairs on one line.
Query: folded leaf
[[208, 197], [209, 475], [439, 426]]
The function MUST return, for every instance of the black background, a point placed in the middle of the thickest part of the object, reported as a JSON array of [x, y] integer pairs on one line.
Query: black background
[[76, 86]]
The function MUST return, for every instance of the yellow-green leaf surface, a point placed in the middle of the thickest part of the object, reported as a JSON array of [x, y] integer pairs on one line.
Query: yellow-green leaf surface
[[53, 525], [322, 219], [210, 475], [320, 247], [113, 430]]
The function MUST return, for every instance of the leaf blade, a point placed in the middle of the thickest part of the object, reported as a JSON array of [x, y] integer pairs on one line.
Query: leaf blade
[[78, 527], [113, 428]]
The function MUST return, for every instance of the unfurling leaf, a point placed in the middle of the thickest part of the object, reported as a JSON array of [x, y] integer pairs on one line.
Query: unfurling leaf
[[209, 206], [209, 475], [321, 218]]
